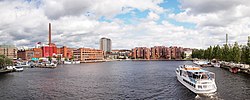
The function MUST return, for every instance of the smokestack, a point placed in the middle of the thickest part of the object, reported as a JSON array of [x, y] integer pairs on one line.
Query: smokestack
[[248, 42], [49, 33], [226, 39]]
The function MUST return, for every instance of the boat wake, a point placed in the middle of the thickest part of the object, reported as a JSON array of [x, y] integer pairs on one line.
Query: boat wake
[[208, 96]]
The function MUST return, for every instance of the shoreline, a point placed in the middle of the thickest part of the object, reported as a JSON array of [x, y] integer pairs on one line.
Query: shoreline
[[98, 61], [160, 60]]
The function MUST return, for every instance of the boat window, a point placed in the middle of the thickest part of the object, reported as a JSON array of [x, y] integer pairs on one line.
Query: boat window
[[190, 74], [184, 73], [204, 76], [212, 75], [204, 86], [196, 76]]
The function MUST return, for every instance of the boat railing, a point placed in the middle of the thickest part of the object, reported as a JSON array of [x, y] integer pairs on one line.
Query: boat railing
[[202, 76]]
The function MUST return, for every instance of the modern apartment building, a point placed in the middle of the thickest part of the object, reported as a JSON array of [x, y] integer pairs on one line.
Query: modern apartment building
[[106, 45], [9, 51], [88, 54]]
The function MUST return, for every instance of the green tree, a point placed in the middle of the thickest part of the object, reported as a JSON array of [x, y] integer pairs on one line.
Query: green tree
[[198, 53], [236, 53], [50, 59], [1, 62], [4, 61], [206, 54], [217, 52], [183, 55], [225, 53], [8, 61], [245, 55], [248, 42], [210, 53]]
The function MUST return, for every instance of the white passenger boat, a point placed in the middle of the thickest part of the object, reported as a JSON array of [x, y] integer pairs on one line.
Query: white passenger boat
[[197, 80]]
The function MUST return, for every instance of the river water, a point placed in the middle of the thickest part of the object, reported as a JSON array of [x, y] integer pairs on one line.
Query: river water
[[115, 80]]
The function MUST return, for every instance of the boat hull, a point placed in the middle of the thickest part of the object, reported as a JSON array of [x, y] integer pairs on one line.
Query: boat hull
[[19, 70]]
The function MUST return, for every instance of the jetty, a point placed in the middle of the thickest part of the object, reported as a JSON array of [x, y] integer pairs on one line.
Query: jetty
[[235, 68], [44, 65]]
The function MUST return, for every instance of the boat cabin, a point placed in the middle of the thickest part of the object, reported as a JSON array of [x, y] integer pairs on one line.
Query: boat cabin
[[196, 73]]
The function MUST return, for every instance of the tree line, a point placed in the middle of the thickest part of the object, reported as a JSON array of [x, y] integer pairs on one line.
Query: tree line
[[5, 61], [230, 53]]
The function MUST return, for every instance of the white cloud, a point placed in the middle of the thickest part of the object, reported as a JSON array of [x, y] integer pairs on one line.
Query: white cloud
[[25, 23], [215, 18], [153, 16], [55, 9]]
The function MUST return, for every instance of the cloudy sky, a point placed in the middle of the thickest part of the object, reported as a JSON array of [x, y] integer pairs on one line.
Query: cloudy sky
[[128, 23]]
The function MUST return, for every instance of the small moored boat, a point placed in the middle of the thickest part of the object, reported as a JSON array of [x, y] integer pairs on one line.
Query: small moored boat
[[18, 68], [72, 62], [197, 80]]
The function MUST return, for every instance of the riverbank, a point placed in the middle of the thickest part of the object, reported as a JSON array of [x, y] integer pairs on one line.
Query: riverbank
[[108, 60], [161, 60], [236, 68], [230, 66], [5, 71]]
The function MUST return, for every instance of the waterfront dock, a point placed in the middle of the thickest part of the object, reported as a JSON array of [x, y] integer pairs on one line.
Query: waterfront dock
[[94, 61], [161, 60], [235, 68], [45, 66]]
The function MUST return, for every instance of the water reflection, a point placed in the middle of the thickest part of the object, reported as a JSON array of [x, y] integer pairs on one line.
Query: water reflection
[[115, 80]]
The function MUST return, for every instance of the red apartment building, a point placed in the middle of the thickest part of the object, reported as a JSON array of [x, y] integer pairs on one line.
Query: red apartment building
[[157, 52], [38, 52], [29, 54], [141, 53], [65, 51]]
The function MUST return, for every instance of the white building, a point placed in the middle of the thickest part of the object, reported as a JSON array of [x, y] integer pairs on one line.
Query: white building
[[105, 45]]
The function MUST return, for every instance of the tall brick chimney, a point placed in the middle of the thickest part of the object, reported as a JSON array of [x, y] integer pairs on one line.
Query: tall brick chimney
[[49, 33]]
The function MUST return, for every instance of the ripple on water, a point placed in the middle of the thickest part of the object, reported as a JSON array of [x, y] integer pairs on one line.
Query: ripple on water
[[115, 80]]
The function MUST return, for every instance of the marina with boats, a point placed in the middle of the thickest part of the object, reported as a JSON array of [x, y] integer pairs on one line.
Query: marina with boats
[[230, 66]]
